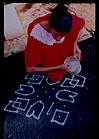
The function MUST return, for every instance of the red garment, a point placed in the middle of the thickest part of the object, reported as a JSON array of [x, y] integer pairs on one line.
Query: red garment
[[37, 52]]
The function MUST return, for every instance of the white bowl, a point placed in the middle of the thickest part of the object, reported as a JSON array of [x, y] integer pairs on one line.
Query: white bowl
[[74, 63]]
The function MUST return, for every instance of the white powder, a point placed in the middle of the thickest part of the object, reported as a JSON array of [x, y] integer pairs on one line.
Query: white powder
[[75, 65]]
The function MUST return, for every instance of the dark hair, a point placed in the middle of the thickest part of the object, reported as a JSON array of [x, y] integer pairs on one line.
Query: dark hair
[[60, 19]]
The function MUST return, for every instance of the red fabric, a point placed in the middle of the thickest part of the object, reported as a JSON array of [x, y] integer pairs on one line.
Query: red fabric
[[36, 52]]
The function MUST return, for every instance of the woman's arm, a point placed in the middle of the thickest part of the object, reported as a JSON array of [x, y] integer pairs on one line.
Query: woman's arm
[[82, 35], [47, 69], [77, 51]]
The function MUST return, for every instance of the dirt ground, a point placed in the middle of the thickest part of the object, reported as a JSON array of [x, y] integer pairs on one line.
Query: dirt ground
[[27, 12]]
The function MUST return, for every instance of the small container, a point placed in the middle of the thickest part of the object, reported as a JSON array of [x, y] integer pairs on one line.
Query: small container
[[74, 63]]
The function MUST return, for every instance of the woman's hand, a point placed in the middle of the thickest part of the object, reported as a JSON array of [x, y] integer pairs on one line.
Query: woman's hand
[[65, 67], [77, 52]]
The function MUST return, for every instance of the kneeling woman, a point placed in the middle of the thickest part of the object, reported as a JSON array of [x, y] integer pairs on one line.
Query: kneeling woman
[[51, 39]]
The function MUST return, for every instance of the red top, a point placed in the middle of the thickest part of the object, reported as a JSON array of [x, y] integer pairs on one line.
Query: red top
[[37, 52]]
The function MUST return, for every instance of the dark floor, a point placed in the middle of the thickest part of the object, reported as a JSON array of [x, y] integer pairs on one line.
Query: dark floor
[[42, 110]]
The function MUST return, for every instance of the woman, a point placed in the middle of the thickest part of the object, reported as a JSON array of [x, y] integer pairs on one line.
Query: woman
[[51, 39]]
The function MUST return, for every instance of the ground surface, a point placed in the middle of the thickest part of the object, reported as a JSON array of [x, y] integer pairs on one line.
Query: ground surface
[[35, 108]]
